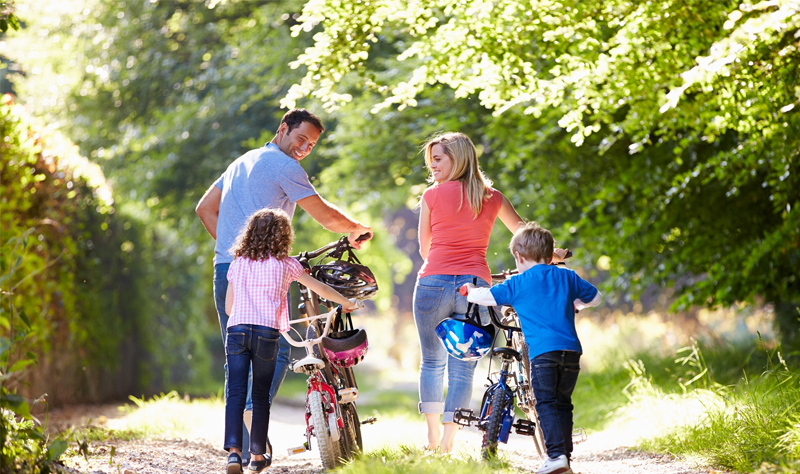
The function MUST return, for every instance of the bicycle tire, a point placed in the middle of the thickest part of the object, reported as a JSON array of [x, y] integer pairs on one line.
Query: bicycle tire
[[350, 444], [494, 423], [327, 451], [526, 396], [350, 381]]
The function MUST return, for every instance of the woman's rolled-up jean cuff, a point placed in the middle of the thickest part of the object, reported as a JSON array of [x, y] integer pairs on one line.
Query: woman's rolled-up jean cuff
[[432, 408], [448, 417]]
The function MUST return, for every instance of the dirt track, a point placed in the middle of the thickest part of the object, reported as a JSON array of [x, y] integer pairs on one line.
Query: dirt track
[[603, 453]]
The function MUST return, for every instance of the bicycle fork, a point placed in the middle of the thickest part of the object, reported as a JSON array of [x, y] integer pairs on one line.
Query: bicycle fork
[[466, 417]]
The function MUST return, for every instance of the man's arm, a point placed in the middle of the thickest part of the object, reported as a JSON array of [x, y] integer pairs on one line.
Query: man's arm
[[331, 218], [208, 209]]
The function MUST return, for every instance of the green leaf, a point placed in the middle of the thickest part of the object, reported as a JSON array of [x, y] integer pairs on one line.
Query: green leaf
[[56, 449], [21, 364]]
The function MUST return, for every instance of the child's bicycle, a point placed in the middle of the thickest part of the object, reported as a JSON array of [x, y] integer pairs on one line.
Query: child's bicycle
[[511, 383], [332, 348]]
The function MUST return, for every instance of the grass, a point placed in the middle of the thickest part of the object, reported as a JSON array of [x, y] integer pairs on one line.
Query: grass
[[752, 425], [404, 459]]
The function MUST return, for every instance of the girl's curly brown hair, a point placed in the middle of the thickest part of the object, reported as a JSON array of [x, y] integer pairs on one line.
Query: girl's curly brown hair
[[268, 234]]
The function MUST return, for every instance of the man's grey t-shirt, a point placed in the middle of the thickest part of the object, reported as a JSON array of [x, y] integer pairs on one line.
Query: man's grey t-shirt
[[260, 178]]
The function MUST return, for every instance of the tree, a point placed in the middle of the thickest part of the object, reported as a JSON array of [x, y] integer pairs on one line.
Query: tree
[[684, 114]]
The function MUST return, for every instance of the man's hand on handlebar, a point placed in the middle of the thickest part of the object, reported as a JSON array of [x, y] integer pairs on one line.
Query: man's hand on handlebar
[[359, 236]]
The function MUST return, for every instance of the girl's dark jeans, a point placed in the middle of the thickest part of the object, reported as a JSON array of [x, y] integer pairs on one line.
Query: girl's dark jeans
[[246, 344], [553, 376]]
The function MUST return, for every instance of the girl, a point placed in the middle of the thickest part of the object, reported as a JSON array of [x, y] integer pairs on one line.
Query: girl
[[259, 278], [456, 219]]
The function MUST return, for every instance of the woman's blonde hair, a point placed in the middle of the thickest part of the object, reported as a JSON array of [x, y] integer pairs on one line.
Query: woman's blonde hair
[[461, 151], [268, 233]]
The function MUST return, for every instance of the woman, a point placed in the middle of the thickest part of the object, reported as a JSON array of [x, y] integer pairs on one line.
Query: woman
[[456, 219]]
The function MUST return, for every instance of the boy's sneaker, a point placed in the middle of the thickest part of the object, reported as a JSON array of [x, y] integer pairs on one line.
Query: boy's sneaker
[[259, 466], [234, 464], [559, 465]]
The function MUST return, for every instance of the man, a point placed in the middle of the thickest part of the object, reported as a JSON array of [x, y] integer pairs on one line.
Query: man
[[270, 176]]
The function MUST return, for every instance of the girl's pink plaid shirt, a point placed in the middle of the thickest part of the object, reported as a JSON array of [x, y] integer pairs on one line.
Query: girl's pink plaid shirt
[[260, 289]]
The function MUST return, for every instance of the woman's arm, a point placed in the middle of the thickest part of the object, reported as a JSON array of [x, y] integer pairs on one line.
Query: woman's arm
[[327, 292], [424, 229], [229, 299], [509, 216]]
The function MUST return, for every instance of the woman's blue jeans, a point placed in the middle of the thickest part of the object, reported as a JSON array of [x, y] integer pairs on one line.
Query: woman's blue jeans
[[553, 375], [247, 346], [436, 297]]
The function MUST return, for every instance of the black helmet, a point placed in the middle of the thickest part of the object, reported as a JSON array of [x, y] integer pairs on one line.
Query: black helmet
[[352, 280]]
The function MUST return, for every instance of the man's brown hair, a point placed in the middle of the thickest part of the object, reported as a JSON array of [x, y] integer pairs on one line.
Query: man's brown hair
[[295, 117], [533, 243], [268, 233]]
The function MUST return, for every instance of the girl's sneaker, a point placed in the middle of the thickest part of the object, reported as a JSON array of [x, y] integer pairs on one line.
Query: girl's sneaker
[[559, 465], [234, 464]]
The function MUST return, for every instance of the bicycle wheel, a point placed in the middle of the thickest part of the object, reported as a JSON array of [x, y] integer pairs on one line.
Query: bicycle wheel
[[327, 451], [494, 423]]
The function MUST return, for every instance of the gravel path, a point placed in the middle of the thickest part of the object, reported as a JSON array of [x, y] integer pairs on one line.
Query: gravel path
[[603, 453]]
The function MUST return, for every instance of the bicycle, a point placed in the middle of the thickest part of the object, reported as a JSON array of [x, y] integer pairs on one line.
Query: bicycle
[[331, 413], [511, 383]]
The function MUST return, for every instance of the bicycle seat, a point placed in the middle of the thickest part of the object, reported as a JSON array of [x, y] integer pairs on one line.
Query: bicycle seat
[[307, 363], [506, 353]]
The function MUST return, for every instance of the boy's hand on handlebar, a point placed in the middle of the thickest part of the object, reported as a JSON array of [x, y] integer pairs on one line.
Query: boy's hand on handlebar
[[466, 288], [353, 304], [359, 236]]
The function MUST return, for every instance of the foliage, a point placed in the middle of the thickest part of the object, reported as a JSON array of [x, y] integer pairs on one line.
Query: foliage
[[95, 306], [25, 448], [7, 17], [165, 95], [684, 113]]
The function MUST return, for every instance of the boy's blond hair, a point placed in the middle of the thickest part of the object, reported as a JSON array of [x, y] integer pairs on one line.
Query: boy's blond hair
[[533, 242]]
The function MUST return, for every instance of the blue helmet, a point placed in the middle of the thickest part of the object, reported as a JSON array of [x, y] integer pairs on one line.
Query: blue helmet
[[464, 340]]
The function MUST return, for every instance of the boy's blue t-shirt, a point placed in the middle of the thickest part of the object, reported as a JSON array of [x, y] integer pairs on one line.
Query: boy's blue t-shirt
[[544, 297]]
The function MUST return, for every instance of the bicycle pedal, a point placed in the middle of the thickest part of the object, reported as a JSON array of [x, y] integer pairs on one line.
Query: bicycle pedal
[[299, 449], [369, 421], [525, 427], [464, 417], [348, 395]]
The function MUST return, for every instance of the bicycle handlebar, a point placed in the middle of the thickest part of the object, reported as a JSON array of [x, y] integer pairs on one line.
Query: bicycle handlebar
[[308, 343]]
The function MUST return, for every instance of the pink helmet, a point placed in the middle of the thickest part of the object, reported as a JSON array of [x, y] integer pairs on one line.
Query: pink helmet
[[346, 348]]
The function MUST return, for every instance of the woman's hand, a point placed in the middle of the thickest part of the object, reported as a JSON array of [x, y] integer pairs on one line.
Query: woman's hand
[[559, 255]]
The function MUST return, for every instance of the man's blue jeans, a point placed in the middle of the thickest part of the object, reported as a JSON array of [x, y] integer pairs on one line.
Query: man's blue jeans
[[220, 289], [436, 297], [249, 349], [553, 375]]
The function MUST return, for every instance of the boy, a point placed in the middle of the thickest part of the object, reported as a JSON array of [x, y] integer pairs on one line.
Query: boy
[[545, 298]]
